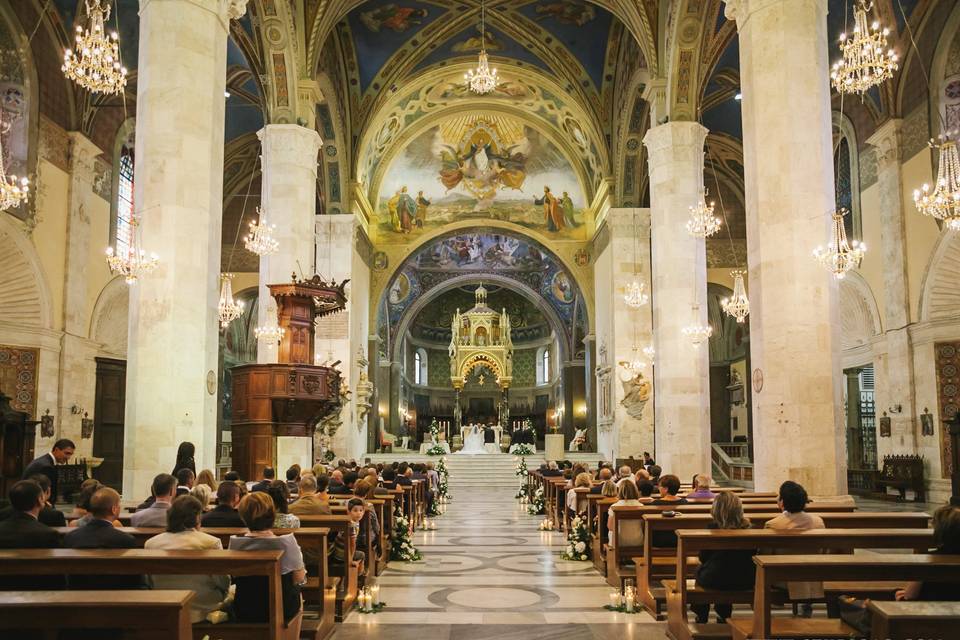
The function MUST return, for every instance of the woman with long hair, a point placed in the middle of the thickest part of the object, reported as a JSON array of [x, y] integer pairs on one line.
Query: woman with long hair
[[185, 453]]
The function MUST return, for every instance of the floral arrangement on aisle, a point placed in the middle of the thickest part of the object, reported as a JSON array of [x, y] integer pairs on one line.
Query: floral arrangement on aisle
[[436, 450], [537, 505], [523, 450], [402, 548], [522, 472], [443, 487], [578, 541]]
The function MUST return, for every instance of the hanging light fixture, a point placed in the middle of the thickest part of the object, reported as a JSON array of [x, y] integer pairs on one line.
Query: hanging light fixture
[[483, 79], [260, 240], [635, 296], [95, 63], [635, 366], [840, 256], [866, 60], [269, 334], [13, 190], [943, 202], [134, 262], [696, 332], [649, 352], [228, 309], [738, 306], [702, 222]]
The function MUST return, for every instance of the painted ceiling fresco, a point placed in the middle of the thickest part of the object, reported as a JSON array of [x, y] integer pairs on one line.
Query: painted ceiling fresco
[[479, 166]]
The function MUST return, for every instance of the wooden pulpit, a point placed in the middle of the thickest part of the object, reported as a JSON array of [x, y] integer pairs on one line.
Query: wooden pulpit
[[289, 397]]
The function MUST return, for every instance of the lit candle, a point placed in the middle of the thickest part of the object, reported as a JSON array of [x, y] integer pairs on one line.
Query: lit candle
[[614, 599], [628, 596], [375, 594]]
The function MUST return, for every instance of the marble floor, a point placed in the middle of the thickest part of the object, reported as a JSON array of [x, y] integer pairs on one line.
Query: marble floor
[[487, 572]]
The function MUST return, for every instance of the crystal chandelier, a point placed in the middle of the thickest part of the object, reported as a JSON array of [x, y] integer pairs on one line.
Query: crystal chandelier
[[702, 222], [943, 203], [260, 240], [133, 262], [228, 309], [13, 190], [635, 296], [866, 60], [840, 256], [697, 333], [269, 334], [483, 79], [649, 352], [95, 64], [635, 366], [738, 306]]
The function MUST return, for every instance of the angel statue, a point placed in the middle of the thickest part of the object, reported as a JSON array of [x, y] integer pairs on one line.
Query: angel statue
[[636, 394], [364, 393]]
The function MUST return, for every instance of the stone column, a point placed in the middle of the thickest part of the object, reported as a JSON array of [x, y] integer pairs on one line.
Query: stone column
[[173, 330], [289, 157], [898, 364], [681, 385], [794, 346]]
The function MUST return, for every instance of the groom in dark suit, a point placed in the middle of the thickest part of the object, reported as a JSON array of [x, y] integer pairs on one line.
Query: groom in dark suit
[[489, 437], [47, 464]]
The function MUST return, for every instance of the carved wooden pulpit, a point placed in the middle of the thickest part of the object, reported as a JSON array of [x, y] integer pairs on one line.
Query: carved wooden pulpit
[[289, 397]]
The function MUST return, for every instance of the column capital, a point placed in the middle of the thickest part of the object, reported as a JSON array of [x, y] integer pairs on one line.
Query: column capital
[[888, 141], [674, 138], [225, 9], [291, 143], [740, 10], [655, 94]]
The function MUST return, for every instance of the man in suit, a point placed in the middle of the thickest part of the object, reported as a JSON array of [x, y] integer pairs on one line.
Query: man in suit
[[100, 533], [22, 530], [552, 470], [489, 436], [164, 490], [313, 500], [47, 463], [604, 475], [268, 475], [48, 515], [225, 513]]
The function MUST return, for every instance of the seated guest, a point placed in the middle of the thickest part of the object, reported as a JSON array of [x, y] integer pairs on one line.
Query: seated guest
[[609, 489], [336, 482], [356, 508], [313, 500], [251, 602], [403, 476], [264, 484], [185, 481], [602, 476], [22, 530], [203, 493], [364, 490], [164, 489], [574, 502], [654, 470], [389, 478], [280, 495], [631, 531], [626, 473], [642, 475], [434, 476], [646, 491], [669, 488], [225, 513], [374, 479], [792, 500], [205, 477], [183, 532], [231, 476], [946, 535], [293, 479], [349, 481], [99, 533], [48, 515], [552, 470], [731, 570], [701, 484], [87, 488]]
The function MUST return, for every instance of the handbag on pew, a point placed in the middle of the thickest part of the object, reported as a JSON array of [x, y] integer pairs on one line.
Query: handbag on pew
[[855, 613]]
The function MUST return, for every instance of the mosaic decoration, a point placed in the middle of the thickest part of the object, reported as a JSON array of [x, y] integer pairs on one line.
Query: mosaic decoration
[[948, 396], [18, 377]]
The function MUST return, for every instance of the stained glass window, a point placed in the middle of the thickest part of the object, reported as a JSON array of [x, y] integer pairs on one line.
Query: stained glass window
[[123, 230], [845, 185]]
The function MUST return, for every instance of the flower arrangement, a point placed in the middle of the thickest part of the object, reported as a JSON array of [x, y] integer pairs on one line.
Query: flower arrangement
[[579, 440], [523, 449], [537, 505], [443, 487], [436, 450], [329, 455], [522, 472], [434, 430], [402, 548], [578, 541]]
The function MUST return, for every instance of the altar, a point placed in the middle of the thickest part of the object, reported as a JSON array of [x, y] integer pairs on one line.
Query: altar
[[426, 446]]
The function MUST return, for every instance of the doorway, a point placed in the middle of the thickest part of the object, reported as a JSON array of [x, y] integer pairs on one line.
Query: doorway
[[861, 429], [108, 415]]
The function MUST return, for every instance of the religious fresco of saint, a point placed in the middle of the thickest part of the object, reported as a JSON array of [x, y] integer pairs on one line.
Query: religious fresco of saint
[[482, 167]]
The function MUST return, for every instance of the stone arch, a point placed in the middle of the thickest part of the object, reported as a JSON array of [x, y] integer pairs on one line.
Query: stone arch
[[859, 314], [940, 73], [25, 299], [108, 322], [940, 291]]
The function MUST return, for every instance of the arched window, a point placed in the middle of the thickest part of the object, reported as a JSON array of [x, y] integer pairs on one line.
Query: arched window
[[420, 367], [543, 365], [121, 227], [847, 168]]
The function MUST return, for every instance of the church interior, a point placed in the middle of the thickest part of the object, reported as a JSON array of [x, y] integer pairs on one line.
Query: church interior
[[528, 251]]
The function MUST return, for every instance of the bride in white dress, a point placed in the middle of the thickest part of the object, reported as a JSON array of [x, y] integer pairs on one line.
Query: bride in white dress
[[473, 442]]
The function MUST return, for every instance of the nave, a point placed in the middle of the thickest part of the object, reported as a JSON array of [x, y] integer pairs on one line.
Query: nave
[[487, 564]]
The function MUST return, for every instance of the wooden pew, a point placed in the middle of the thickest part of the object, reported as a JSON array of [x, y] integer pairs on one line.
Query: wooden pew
[[905, 620], [142, 561], [142, 615], [783, 568], [664, 559], [348, 574], [690, 542]]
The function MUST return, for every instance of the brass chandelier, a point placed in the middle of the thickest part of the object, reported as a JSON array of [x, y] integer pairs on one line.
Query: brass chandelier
[[866, 61], [840, 256], [133, 263], [228, 309], [702, 222], [260, 240], [95, 62], [738, 306], [943, 201], [483, 79]]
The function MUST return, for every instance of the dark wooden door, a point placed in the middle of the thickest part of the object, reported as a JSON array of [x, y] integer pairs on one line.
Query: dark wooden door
[[108, 420]]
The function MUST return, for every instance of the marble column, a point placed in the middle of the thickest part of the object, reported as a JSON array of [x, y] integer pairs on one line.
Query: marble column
[[897, 366], [289, 201], [794, 342], [173, 330], [681, 381]]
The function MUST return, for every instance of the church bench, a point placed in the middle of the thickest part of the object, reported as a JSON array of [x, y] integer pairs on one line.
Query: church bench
[[349, 573], [374, 545], [142, 615], [690, 542], [157, 562], [581, 503], [785, 568], [597, 550], [903, 620]]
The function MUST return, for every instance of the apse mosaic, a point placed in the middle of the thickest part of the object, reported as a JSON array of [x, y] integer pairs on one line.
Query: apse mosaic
[[479, 166]]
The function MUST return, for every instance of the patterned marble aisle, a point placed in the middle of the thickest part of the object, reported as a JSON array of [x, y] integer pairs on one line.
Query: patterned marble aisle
[[488, 573]]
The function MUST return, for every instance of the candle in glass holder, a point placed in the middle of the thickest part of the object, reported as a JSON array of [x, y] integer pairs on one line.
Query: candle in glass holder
[[628, 596], [375, 594], [614, 599]]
